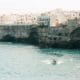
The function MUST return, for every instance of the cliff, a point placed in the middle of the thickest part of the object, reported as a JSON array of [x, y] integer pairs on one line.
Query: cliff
[[43, 36]]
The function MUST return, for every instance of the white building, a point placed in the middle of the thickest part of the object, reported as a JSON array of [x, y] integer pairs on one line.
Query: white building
[[31, 19], [59, 16], [51, 18]]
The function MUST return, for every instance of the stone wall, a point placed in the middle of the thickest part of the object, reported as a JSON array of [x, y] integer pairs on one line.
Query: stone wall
[[17, 31]]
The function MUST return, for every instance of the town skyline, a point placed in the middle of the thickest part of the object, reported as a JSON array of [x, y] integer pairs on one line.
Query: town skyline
[[51, 18]]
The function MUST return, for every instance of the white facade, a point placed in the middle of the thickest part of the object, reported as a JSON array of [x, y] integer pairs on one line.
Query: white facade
[[31, 19], [18, 19], [52, 18], [61, 17]]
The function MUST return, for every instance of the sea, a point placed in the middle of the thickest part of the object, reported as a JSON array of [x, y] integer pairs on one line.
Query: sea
[[28, 62]]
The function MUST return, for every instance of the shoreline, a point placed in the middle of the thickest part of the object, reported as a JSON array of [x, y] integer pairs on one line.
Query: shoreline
[[68, 45]]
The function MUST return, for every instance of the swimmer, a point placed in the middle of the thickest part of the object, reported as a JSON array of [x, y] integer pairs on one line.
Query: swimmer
[[54, 62]]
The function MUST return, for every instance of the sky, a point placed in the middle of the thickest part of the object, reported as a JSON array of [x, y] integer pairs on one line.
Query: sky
[[37, 6]]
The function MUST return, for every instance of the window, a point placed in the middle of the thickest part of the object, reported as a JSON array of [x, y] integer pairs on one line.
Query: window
[[50, 38], [34, 18], [55, 38], [59, 34], [60, 38], [73, 14], [66, 34]]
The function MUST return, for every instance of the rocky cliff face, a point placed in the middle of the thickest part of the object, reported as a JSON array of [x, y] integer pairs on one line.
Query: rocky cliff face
[[42, 36], [75, 34], [14, 31], [19, 33]]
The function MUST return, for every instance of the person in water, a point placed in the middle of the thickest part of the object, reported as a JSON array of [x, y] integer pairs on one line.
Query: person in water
[[54, 62]]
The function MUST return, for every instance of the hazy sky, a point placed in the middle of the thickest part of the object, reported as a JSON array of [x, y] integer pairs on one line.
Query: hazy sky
[[16, 6]]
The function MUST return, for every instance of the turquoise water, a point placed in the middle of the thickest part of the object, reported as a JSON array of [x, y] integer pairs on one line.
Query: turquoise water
[[26, 62]]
